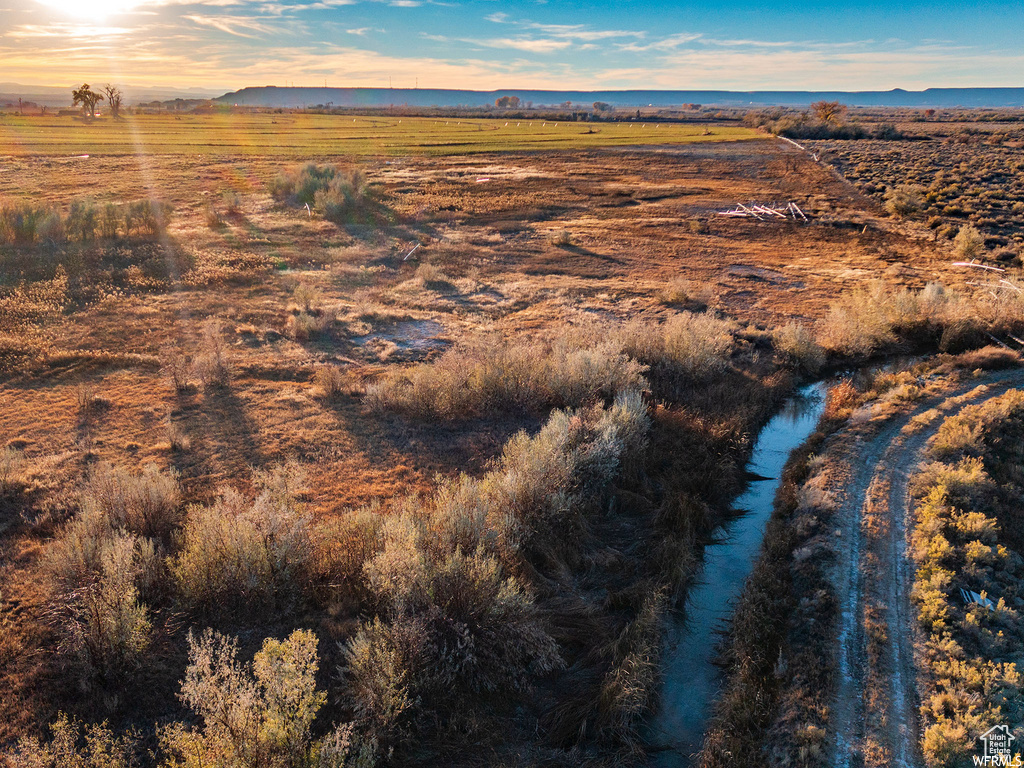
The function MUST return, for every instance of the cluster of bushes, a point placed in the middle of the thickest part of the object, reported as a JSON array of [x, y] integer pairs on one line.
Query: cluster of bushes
[[803, 125], [452, 622], [878, 318], [979, 184], [868, 320], [967, 536], [451, 628], [589, 365], [258, 715], [341, 196], [84, 222]]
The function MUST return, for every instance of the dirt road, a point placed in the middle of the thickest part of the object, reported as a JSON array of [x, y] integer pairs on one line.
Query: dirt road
[[875, 713]]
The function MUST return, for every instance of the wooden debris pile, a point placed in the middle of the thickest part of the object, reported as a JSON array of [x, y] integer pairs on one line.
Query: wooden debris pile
[[766, 211]]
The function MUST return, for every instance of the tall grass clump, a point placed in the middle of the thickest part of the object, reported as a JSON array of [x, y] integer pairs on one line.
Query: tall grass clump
[[146, 503], [242, 554], [904, 199], [968, 243], [12, 469]]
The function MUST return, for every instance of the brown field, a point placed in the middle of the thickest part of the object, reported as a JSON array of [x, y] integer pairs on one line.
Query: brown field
[[496, 249], [638, 220]]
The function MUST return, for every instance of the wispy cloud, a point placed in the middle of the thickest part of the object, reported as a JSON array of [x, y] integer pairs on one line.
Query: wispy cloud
[[239, 26], [80, 31]]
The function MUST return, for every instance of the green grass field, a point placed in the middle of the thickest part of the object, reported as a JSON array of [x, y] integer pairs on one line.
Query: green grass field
[[306, 135]]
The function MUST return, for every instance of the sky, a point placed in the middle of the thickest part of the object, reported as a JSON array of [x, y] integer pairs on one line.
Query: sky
[[223, 45]]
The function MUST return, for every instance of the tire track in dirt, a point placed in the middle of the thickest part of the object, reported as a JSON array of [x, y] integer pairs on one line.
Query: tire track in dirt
[[874, 581]]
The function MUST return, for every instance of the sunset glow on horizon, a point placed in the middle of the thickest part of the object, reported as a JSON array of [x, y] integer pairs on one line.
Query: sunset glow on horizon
[[480, 44]]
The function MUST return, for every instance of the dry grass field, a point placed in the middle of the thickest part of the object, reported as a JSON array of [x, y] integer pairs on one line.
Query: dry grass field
[[469, 416]]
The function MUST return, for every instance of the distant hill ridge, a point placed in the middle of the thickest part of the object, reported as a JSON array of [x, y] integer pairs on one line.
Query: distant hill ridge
[[274, 96]]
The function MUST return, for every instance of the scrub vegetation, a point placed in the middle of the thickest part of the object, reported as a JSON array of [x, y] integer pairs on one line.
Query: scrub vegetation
[[338, 440]]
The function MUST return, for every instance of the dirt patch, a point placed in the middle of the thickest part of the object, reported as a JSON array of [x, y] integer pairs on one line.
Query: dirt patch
[[405, 340]]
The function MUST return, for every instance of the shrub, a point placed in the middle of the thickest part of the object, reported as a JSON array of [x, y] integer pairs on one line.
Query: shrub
[[337, 195], [300, 185], [691, 344], [560, 238], [968, 243], [211, 365], [147, 217], [146, 503], [304, 326], [106, 627], [306, 297], [83, 550], [853, 326], [110, 221], [82, 220], [429, 276], [177, 439], [213, 217], [259, 715], [73, 745], [239, 555], [177, 366], [12, 467], [799, 346], [457, 625], [453, 622], [479, 377], [330, 382], [98, 573], [904, 199], [678, 292]]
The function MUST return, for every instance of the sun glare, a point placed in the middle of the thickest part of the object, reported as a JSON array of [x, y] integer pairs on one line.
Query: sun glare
[[96, 9]]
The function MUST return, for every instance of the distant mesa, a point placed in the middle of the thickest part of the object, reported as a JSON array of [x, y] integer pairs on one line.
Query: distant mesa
[[274, 96]]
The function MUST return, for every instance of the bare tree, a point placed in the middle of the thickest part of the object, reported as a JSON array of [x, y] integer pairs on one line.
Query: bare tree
[[114, 98], [829, 112], [88, 98]]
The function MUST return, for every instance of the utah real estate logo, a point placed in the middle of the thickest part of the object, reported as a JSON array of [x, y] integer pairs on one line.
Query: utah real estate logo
[[998, 750]]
